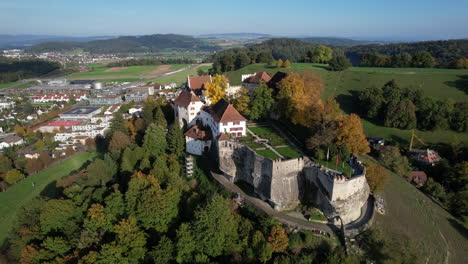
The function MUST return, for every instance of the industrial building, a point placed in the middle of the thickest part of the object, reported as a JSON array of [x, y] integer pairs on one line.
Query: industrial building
[[81, 112]]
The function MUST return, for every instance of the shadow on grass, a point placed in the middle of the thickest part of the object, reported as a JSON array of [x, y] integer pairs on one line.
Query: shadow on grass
[[459, 227], [51, 191], [461, 84], [347, 103]]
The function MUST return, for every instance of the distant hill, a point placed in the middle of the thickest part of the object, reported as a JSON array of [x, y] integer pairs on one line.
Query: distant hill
[[235, 36], [23, 41], [129, 44], [340, 42]]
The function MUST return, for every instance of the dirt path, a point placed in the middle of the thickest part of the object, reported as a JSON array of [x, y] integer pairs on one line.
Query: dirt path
[[115, 69], [160, 70]]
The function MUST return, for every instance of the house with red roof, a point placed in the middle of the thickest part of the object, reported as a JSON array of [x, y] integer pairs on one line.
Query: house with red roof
[[222, 118], [196, 84], [198, 140], [186, 108], [253, 80]]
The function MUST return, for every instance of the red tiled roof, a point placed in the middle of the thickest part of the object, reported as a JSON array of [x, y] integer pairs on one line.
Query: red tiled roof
[[196, 83], [258, 77], [198, 133], [64, 123], [429, 156], [223, 137], [418, 177], [223, 111], [185, 98]]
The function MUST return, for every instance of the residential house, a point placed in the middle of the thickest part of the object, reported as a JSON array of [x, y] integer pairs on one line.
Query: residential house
[[418, 178], [253, 80], [10, 141], [222, 117], [186, 107], [198, 140]]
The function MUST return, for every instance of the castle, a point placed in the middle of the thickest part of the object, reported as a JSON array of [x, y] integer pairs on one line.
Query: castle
[[283, 183]]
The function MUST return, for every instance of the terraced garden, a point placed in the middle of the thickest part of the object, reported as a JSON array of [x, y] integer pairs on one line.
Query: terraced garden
[[269, 137]]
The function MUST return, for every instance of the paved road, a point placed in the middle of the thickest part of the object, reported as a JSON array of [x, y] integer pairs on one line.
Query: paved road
[[266, 208]]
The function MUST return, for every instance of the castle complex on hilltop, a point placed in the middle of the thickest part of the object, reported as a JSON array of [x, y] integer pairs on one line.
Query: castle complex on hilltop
[[283, 183]]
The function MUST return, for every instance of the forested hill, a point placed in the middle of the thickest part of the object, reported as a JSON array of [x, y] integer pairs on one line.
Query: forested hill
[[444, 51], [130, 44], [339, 42], [443, 54]]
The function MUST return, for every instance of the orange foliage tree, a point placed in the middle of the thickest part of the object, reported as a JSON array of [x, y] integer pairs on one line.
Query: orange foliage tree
[[299, 98], [278, 239], [119, 141], [351, 134]]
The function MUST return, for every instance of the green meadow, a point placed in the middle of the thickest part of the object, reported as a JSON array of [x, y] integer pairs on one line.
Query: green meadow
[[44, 182], [436, 83]]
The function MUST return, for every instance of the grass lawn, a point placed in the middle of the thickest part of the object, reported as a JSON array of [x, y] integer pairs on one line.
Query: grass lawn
[[20, 194], [5, 85], [267, 153], [431, 229], [288, 152], [345, 168], [178, 66], [121, 80], [180, 77], [269, 133]]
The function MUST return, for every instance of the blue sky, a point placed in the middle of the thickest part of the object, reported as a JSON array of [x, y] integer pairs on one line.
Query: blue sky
[[365, 19]]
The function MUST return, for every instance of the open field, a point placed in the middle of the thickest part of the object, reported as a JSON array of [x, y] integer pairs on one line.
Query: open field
[[5, 85], [141, 72], [437, 83], [181, 77], [433, 232], [121, 80], [20, 194]]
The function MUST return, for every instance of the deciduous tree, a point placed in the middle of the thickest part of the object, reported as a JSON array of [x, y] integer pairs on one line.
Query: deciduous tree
[[262, 102], [279, 63], [242, 101], [322, 54], [119, 141], [351, 134], [216, 90], [339, 63], [13, 176], [287, 64], [278, 239], [376, 176]]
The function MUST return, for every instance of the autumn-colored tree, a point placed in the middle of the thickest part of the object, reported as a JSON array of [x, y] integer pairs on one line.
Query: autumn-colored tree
[[20, 130], [90, 143], [216, 90], [242, 101], [119, 141], [279, 63], [278, 239], [131, 128], [351, 134], [28, 254], [69, 151], [287, 64], [13, 176], [33, 166], [376, 176], [45, 159], [299, 98]]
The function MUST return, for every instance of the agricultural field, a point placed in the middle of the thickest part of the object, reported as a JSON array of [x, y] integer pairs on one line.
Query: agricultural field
[[436, 83], [140, 72], [181, 77], [44, 183], [434, 233]]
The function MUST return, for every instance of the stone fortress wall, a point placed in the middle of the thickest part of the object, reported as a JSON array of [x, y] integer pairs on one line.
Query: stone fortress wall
[[284, 183]]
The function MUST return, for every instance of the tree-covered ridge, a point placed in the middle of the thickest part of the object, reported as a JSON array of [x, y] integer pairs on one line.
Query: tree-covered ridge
[[129, 44], [12, 70], [444, 54], [444, 51]]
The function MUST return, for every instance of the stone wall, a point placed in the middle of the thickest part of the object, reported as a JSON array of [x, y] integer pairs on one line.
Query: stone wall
[[283, 183], [275, 181]]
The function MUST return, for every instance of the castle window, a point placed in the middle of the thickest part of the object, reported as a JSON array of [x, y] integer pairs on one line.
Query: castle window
[[192, 108]]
